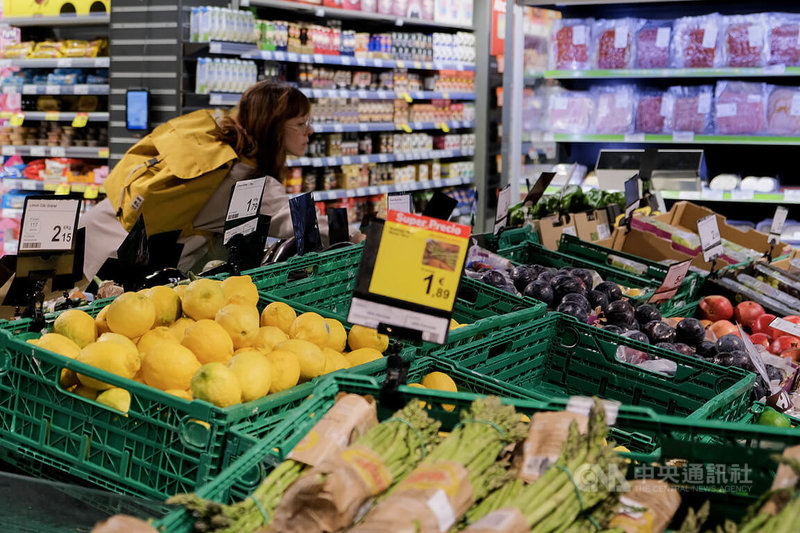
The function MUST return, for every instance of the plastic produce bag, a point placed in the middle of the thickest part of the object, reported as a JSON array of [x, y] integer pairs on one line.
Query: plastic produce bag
[[614, 109], [783, 111], [570, 111], [570, 44], [740, 108], [695, 40], [615, 40], [654, 112], [652, 44], [691, 110], [744, 41], [783, 42]]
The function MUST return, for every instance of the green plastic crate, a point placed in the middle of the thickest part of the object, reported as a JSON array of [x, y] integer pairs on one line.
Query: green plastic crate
[[693, 441], [558, 356], [508, 237], [163, 445]]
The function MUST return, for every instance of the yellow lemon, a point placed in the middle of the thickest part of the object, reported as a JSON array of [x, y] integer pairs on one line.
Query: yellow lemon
[[167, 304], [361, 337], [131, 314], [285, 370], [108, 356], [253, 371], [64, 346], [621, 449], [179, 327], [310, 327], [241, 322], [169, 365], [334, 361], [202, 299], [216, 383], [179, 290], [100, 321], [240, 289], [185, 394], [363, 355], [439, 381], [418, 386], [139, 377], [209, 341], [85, 392], [337, 336], [453, 323], [309, 356], [268, 337], [76, 325], [155, 336], [116, 398], [280, 315]]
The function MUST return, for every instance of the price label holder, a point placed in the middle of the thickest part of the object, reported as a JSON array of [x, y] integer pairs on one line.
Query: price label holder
[[710, 239], [790, 328], [399, 201], [672, 281], [305, 224], [632, 199], [17, 119], [338, 226], [440, 206], [752, 352], [503, 205], [776, 229], [536, 192], [409, 276], [243, 208], [80, 120]]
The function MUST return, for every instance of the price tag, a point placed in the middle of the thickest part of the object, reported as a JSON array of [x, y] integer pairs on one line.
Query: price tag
[[63, 63], [632, 195], [407, 98], [362, 94], [774, 69], [742, 195], [711, 194], [319, 12], [38, 151], [726, 110], [791, 195], [80, 89], [52, 89], [337, 128], [785, 326], [80, 120], [318, 58], [406, 128], [91, 191], [634, 137], [620, 37], [347, 161], [399, 202], [8, 150], [503, 205], [383, 158], [102, 153], [778, 221], [363, 127], [755, 357], [242, 229], [57, 151], [407, 282], [62, 189], [401, 63], [672, 281], [215, 47], [445, 128], [417, 64], [292, 57], [245, 199], [710, 239], [361, 62], [17, 119], [755, 35], [378, 62], [683, 137], [10, 89], [52, 116], [579, 35], [48, 224], [346, 60], [662, 207]]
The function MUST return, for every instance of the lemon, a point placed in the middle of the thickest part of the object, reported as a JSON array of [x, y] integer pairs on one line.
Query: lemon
[[167, 304], [418, 386], [155, 336], [85, 392], [361, 337], [209, 341], [280, 315], [185, 394], [240, 289], [169, 365], [116, 398], [64, 346], [121, 340], [439, 381], [285, 370], [100, 321], [268, 337], [202, 299], [453, 324], [621, 449], [337, 336], [310, 327], [179, 290], [253, 371], [179, 327], [363, 355], [108, 356], [309, 357], [216, 383], [76, 325], [334, 361], [241, 322], [131, 314]]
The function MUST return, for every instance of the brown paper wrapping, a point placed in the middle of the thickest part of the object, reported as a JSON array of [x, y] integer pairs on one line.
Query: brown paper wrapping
[[352, 415], [658, 500], [546, 437], [784, 479], [505, 520], [429, 500]]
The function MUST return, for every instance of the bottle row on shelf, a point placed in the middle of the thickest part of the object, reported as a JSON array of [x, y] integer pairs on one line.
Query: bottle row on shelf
[[343, 111], [378, 158]]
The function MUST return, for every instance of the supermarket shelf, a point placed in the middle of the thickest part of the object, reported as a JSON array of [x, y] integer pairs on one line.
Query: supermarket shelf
[[226, 48], [40, 185], [55, 89], [771, 71], [57, 116], [224, 98], [569, 3], [678, 138], [788, 196], [337, 13], [387, 95], [335, 194], [62, 20], [322, 59], [377, 158], [63, 62], [391, 126], [56, 151]]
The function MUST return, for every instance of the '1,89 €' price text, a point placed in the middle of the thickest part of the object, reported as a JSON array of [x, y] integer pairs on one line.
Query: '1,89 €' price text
[[438, 291]]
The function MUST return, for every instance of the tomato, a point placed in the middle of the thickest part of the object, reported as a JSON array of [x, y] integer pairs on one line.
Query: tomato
[[783, 343], [716, 308], [747, 312], [724, 327], [762, 339]]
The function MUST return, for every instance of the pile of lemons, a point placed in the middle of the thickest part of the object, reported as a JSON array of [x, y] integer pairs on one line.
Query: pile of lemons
[[205, 340]]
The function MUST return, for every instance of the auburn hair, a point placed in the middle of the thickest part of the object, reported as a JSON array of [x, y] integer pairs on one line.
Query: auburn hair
[[256, 127]]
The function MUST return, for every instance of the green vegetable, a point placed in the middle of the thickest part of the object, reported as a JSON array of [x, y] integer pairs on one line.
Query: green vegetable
[[572, 199], [594, 198], [516, 215]]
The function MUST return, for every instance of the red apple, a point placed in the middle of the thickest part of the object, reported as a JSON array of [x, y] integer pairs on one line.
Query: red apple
[[762, 339], [747, 312], [794, 319], [783, 343], [724, 327], [761, 325], [716, 308], [792, 353]]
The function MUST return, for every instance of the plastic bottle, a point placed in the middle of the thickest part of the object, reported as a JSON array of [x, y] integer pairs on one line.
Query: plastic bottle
[[194, 25], [201, 76]]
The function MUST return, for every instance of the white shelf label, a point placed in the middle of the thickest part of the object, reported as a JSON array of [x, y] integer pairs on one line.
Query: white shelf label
[[662, 37], [9, 150], [378, 62], [38, 151], [346, 60], [710, 238], [215, 47], [363, 127], [293, 57], [337, 128], [318, 58], [775, 69], [711, 194], [81, 89], [242, 229], [361, 93], [62, 63], [634, 137], [245, 199], [785, 326], [8, 89], [52, 89], [383, 158], [347, 161], [791, 195], [742, 195], [57, 151], [778, 221], [49, 224], [361, 62], [683, 136]]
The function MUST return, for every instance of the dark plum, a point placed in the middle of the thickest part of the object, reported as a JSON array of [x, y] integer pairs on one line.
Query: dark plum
[[611, 328], [690, 331], [667, 346], [685, 349], [494, 278], [637, 336], [658, 331], [760, 389], [566, 285], [522, 277], [573, 310], [740, 359], [598, 299], [539, 290], [774, 373], [577, 298], [545, 275], [585, 276], [611, 289], [729, 343], [706, 349], [619, 312], [647, 313]]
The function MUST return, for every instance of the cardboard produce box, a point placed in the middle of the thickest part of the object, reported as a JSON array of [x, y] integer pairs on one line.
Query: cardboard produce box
[[647, 246], [592, 226], [550, 229]]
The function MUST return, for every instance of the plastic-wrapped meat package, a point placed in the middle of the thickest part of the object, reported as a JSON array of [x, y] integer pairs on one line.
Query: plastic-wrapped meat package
[[614, 109], [652, 44], [691, 109], [783, 111], [654, 112], [569, 48], [740, 108], [784, 39], [615, 42], [570, 111], [744, 40], [694, 43]]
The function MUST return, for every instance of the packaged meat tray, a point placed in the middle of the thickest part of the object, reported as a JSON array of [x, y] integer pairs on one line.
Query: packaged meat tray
[[692, 109], [695, 42], [570, 111], [740, 108], [653, 112], [614, 105], [652, 44], [570, 44], [784, 39], [783, 111], [615, 42], [744, 41]]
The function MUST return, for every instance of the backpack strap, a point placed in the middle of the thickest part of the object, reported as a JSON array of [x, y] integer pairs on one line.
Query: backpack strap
[[147, 164]]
